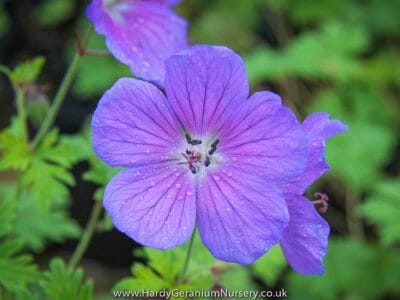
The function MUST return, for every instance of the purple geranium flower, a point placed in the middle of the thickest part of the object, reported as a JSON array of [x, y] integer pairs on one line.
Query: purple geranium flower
[[140, 33], [305, 239], [204, 154]]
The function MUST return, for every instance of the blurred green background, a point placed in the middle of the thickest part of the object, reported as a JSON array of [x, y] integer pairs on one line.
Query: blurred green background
[[338, 56]]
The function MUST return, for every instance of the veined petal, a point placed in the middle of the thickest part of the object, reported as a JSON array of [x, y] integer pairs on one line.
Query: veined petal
[[141, 34], [239, 215], [305, 240], [155, 206], [133, 126], [264, 136], [203, 83], [318, 128]]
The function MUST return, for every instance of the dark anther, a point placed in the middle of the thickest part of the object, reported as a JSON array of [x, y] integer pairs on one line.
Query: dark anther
[[190, 141], [207, 162], [188, 152], [213, 147], [215, 144], [195, 142], [193, 169]]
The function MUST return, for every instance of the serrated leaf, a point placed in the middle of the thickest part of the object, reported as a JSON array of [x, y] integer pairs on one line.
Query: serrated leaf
[[48, 175], [7, 216], [62, 282], [15, 270], [14, 150], [27, 71], [382, 209], [36, 228]]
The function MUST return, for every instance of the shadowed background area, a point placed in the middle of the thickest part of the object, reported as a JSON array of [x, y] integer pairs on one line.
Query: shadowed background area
[[338, 56]]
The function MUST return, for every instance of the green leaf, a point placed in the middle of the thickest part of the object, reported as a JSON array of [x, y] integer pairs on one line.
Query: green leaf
[[270, 266], [27, 71], [45, 16], [36, 228], [48, 175], [144, 278], [62, 283], [164, 267], [329, 53], [15, 270], [352, 271], [371, 137], [382, 209], [7, 215], [14, 150], [106, 69]]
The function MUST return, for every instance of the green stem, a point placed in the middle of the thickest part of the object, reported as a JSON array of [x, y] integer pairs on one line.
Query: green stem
[[187, 258], [22, 112], [87, 235], [61, 93]]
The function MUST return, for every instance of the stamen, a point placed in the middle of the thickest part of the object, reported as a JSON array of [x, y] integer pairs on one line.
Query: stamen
[[213, 147], [215, 143], [322, 199], [192, 142], [196, 142], [207, 162]]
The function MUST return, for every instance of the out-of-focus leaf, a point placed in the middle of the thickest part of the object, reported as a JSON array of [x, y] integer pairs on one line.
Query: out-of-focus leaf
[[62, 282], [7, 215], [4, 21], [15, 270], [98, 73], [37, 109], [54, 12], [329, 53], [352, 269], [27, 71], [232, 25], [270, 266], [358, 155], [382, 208]]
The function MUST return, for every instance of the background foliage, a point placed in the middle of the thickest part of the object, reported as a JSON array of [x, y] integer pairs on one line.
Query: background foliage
[[337, 56]]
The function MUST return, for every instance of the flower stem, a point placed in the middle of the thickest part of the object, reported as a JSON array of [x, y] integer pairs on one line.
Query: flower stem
[[22, 112], [61, 93], [187, 258], [87, 235]]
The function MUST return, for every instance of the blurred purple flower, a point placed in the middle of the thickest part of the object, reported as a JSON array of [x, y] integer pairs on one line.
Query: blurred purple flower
[[140, 33], [203, 154], [305, 239]]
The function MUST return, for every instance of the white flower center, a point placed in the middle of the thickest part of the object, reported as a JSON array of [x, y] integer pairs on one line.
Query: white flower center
[[200, 154]]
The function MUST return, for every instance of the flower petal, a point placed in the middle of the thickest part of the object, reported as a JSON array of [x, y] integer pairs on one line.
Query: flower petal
[[239, 215], [168, 2], [132, 125], [155, 206], [305, 240], [141, 34], [265, 136], [318, 128], [202, 83]]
